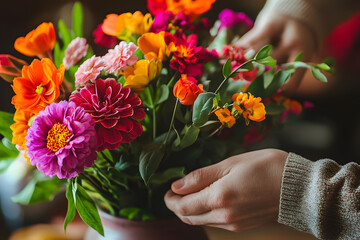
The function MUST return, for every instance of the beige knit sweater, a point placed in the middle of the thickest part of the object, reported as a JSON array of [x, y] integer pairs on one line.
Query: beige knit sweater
[[321, 198], [320, 15]]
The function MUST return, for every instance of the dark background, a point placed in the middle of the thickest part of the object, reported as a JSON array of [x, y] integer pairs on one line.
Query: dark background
[[331, 129]]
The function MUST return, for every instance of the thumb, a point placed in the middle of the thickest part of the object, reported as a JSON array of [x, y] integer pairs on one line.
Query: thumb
[[197, 180]]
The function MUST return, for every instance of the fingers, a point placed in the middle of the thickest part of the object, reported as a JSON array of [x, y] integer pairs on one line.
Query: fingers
[[253, 39], [193, 204], [198, 180]]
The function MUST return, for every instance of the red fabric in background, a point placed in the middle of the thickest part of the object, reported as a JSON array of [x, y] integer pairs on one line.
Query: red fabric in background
[[344, 43]]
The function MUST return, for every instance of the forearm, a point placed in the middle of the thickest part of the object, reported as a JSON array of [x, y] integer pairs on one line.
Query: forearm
[[321, 198]]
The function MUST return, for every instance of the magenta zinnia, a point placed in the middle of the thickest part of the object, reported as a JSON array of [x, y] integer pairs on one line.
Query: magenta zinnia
[[116, 111], [62, 140]]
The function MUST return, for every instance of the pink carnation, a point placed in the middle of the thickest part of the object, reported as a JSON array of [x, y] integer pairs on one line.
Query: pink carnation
[[88, 71], [120, 57], [76, 50]]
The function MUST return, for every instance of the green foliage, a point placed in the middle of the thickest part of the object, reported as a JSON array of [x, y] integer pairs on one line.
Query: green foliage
[[263, 52], [71, 211], [134, 213], [77, 18], [227, 68], [162, 94], [167, 175], [38, 190], [202, 108], [86, 208], [6, 120], [149, 160], [189, 136]]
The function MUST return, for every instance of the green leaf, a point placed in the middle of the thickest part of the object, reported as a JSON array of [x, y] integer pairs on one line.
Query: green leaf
[[64, 33], [267, 61], [38, 191], [323, 66], [132, 213], [330, 62], [149, 160], [6, 120], [298, 57], [86, 208], [71, 211], [227, 68], [274, 109], [167, 175], [263, 53], [146, 97], [190, 134], [202, 108], [58, 55], [162, 94], [108, 155], [77, 19], [8, 150], [268, 77], [257, 86], [318, 74]]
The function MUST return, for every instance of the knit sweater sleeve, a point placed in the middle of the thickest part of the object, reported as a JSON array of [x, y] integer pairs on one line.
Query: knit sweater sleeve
[[321, 16], [321, 198]]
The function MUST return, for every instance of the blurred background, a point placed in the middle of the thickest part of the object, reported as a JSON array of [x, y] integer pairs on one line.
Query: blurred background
[[330, 129]]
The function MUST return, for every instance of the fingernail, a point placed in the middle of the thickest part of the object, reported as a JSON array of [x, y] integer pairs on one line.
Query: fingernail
[[178, 184]]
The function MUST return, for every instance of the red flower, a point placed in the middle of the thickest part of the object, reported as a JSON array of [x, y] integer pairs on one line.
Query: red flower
[[190, 58], [104, 40], [114, 109], [186, 90], [237, 57]]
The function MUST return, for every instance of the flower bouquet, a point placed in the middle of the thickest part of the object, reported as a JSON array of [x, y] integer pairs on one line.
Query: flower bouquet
[[172, 94]]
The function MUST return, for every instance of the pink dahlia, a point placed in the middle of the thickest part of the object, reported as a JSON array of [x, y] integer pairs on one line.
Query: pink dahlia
[[76, 50], [104, 40], [115, 110], [89, 71], [62, 140], [120, 57]]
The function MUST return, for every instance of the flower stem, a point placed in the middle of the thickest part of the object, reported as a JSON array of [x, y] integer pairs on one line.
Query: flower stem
[[172, 120], [231, 74], [216, 131], [154, 122]]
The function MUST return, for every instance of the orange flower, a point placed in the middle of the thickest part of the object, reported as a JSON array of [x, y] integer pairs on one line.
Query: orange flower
[[37, 42], [249, 106], [23, 121], [186, 90], [192, 8], [123, 26], [225, 117], [38, 86], [157, 45]]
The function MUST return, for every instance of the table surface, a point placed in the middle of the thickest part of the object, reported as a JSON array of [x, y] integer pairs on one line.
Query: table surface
[[77, 231]]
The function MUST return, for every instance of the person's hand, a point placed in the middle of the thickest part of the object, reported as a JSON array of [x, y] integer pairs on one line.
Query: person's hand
[[238, 193], [288, 36]]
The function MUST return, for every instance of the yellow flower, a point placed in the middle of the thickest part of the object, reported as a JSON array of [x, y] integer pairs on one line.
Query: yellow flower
[[137, 77], [125, 25], [249, 106], [157, 45], [225, 117]]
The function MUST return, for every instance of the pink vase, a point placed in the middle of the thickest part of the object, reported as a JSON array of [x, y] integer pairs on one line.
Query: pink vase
[[123, 229]]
